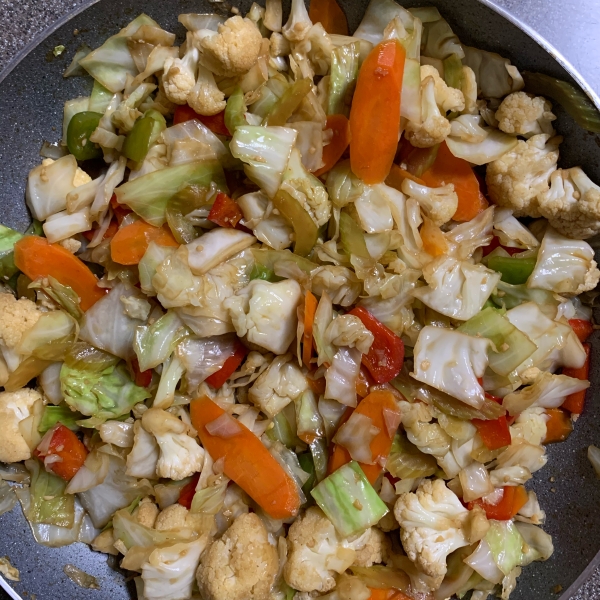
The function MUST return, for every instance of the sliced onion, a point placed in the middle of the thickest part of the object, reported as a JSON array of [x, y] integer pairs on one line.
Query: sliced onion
[[356, 435], [224, 426]]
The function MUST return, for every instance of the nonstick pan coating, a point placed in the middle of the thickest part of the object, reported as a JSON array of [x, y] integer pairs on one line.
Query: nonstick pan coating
[[31, 100]]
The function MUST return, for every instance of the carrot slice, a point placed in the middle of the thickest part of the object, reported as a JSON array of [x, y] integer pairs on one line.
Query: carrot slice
[[333, 151], [575, 402], [379, 406], [558, 427], [447, 168], [434, 242], [582, 328], [397, 175], [512, 501], [310, 308], [35, 257], [330, 15], [247, 462], [130, 243], [375, 112]]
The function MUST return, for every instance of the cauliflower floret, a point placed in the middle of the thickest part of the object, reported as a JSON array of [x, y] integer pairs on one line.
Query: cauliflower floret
[[14, 408], [429, 437], [431, 526], [316, 552], [176, 517], [530, 426], [469, 90], [180, 454], [522, 114], [147, 512], [435, 128], [439, 204], [265, 313], [233, 50], [446, 97], [16, 317], [298, 24], [205, 97], [242, 565], [349, 331], [179, 75], [104, 542], [572, 204], [515, 180], [71, 244], [282, 383], [168, 574], [278, 45]]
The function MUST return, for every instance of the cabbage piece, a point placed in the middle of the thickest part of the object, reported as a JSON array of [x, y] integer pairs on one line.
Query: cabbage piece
[[62, 225], [342, 185], [48, 502], [538, 544], [154, 343], [492, 147], [112, 63], [342, 81], [457, 289], [438, 39], [148, 195], [483, 563], [153, 257], [508, 296], [215, 247], [505, 544], [203, 357], [265, 152], [48, 186], [309, 143], [373, 210], [511, 346], [106, 325], [117, 491], [341, 376], [496, 77], [406, 461], [378, 16], [55, 414], [349, 500], [451, 361], [511, 232], [564, 266], [63, 295], [8, 498], [557, 345], [50, 337], [8, 239]]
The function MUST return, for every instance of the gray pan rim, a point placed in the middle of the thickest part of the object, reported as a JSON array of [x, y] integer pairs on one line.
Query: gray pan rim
[[542, 41]]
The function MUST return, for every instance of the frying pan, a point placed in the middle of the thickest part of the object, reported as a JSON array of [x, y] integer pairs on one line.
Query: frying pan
[[31, 99]]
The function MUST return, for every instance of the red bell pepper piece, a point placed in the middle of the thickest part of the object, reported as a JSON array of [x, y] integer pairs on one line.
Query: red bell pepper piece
[[215, 123], [386, 355], [141, 378], [62, 443], [575, 402], [582, 328], [231, 364], [495, 243], [186, 495], [225, 211], [495, 434], [513, 500]]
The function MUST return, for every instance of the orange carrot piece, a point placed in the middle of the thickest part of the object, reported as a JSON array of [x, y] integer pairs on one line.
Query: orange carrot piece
[[330, 15], [375, 112], [575, 402], [447, 168], [512, 501], [398, 175], [340, 126], [373, 406], [434, 242], [35, 257], [583, 329], [310, 308], [387, 594], [65, 445], [247, 462], [130, 243], [558, 427]]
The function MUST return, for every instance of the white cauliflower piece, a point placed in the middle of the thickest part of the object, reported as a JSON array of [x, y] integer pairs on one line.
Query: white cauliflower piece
[[14, 408], [564, 266], [348, 330], [169, 572], [144, 455], [428, 437], [522, 114], [233, 50], [530, 426], [515, 180], [242, 565], [16, 317], [439, 204], [451, 361], [298, 24], [71, 244], [205, 97], [316, 552], [180, 454], [105, 542], [456, 288], [266, 314], [278, 45], [435, 128], [431, 526], [282, 383], [147, 512], [469, 90], [179, 75], [176, 517], [572, 204], [446, 97]]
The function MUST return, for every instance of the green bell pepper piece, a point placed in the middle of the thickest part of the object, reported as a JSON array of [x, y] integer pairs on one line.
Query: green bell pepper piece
[[513, 270], [81, 127], [305, 230], [144, 133], [288, 103], [234, 110]]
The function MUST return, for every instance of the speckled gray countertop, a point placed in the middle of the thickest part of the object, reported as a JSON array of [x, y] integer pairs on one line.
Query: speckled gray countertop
[[557, 21]]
